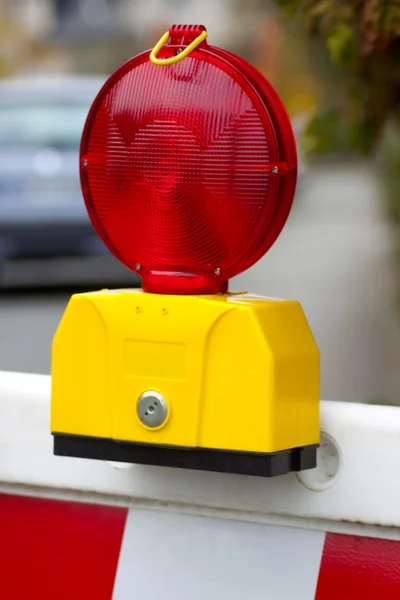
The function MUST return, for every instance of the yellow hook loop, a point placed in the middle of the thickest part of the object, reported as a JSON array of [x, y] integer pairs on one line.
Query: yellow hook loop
[[178, 57]]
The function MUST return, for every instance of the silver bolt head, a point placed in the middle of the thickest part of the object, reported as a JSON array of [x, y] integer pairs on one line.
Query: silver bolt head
[[275, 170], [217, 271], [138, 266], [152, 409]]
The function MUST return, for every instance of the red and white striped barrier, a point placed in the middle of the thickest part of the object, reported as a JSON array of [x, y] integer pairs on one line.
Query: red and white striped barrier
[[78, 529], [68, 550]]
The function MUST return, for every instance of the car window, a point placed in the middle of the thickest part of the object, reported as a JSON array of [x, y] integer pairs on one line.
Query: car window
[[42, 124]]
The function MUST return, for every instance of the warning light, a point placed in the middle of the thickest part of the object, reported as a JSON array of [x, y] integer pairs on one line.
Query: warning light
[[188, 170]]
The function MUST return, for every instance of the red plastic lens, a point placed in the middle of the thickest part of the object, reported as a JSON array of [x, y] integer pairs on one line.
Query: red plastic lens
[[188, 171]]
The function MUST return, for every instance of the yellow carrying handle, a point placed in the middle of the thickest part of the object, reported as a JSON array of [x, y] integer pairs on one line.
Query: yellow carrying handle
[[178, 57]]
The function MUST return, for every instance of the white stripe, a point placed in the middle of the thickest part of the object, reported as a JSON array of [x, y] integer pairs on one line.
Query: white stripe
[[167, 556]]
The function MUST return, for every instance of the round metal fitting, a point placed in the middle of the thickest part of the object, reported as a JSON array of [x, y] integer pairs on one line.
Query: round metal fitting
[[152, 409]]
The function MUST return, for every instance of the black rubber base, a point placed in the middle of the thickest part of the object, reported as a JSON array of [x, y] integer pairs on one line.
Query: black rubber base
[[222, 461]]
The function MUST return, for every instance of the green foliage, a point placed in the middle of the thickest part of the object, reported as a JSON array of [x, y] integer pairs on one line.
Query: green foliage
[[289, 7], [330, 131], [324, 133], [363, 40], [341, 44], [389, 158]]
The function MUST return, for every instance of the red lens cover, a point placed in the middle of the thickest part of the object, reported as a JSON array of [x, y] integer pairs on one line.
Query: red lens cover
[[188, 170]]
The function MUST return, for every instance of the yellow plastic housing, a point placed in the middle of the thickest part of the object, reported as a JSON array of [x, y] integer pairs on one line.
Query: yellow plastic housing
[[238, 372]]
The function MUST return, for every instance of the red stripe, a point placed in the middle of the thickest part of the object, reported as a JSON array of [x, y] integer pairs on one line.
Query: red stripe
[[359, 568], [58, 550]]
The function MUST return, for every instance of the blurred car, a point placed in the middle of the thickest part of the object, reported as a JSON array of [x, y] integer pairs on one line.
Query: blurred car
[[46, 236], [42, 212]]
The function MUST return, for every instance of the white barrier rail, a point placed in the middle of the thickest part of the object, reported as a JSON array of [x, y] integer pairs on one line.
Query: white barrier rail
[[356, 487], [124, 531]]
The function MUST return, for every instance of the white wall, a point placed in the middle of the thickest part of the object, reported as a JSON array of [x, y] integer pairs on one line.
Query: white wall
[[336, 255]]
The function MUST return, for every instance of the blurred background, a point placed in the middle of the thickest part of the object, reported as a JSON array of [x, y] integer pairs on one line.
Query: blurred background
[[336, 65]]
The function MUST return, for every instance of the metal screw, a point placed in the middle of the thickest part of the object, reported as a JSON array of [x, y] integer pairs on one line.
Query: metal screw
[[217, 271], [275, 170], [179, 51], [152, 409], [138, 266], [85, 162]]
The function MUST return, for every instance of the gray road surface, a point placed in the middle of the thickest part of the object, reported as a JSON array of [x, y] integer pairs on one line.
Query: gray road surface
[[27, 325], [336, 255], [28, 320]]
